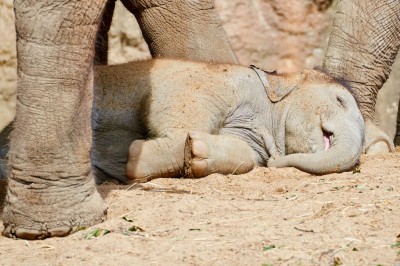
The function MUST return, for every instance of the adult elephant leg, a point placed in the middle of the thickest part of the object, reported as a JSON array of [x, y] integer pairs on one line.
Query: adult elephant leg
[[101, 46], [51, 189], [362, 48], [397, 136], [183, 29], [4, 143]]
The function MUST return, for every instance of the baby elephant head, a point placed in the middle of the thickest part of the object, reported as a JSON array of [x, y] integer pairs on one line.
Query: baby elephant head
[[324, 130]]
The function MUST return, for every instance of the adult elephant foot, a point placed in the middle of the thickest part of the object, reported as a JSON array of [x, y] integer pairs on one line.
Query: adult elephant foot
[[59, 207], [51, 190], [376, 140]]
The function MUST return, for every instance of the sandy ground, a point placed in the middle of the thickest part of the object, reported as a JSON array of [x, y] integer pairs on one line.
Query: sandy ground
[[266, 217]]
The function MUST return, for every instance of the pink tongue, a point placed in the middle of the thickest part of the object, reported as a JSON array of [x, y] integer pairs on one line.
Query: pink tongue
[[327, 143]]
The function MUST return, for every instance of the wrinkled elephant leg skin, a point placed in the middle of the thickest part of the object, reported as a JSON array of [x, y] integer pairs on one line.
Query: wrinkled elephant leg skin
[[101, 46], [397, 136], [77, 208], [4, 146], [158, 158], [376, 140], [364, 42], [51, 189], [183, 29], [206, 154]]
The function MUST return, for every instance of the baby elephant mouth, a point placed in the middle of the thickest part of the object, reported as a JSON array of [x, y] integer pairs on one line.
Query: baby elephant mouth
[[327, 139]]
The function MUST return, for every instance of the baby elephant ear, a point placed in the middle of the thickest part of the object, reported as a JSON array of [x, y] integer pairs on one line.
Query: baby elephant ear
[[278, 86]]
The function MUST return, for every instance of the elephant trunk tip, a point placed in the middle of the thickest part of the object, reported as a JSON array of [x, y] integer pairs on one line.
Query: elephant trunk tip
[[327, 136]]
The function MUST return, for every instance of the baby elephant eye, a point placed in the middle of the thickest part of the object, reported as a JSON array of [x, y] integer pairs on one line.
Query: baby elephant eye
[[341, 102]]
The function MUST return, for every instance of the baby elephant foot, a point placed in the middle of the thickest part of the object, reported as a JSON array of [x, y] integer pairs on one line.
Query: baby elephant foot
[[156, 158], [136, 169], [206, 154], [376, 140], [196, 155]]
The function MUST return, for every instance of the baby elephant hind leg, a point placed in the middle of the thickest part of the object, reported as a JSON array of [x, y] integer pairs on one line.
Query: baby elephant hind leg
[[161, 157], [206, 154]]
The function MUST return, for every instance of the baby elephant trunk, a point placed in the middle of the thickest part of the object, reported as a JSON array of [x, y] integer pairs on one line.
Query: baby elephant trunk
[[342, 155]]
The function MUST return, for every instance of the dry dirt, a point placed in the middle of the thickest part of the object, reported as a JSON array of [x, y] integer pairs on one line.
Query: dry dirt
[[266, 217]]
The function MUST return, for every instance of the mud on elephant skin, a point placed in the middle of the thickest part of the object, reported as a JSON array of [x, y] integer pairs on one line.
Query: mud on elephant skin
[[50, 143], [237, 118], [363, 45]]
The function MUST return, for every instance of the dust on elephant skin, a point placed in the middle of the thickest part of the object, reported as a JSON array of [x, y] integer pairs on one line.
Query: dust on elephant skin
[[168, 118], [194, 119]]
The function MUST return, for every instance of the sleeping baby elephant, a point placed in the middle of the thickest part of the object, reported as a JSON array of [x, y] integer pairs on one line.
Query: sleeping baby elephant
[[181, 118]]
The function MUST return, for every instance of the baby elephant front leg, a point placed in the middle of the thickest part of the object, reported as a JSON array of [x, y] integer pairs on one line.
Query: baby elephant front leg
[[206, 154], [162, 157]]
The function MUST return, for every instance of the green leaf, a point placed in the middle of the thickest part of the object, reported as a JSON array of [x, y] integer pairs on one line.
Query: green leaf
[[395, 245], [127, 219], [362, 187], [357, 169], [80, 228], [135, 228], [96, 233], [337, 261], [265, 248]]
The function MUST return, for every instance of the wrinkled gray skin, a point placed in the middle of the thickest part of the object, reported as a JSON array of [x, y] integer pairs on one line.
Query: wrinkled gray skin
[[200, 119], [235, 122], [51, 189], [362, 48], [4, 151]]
